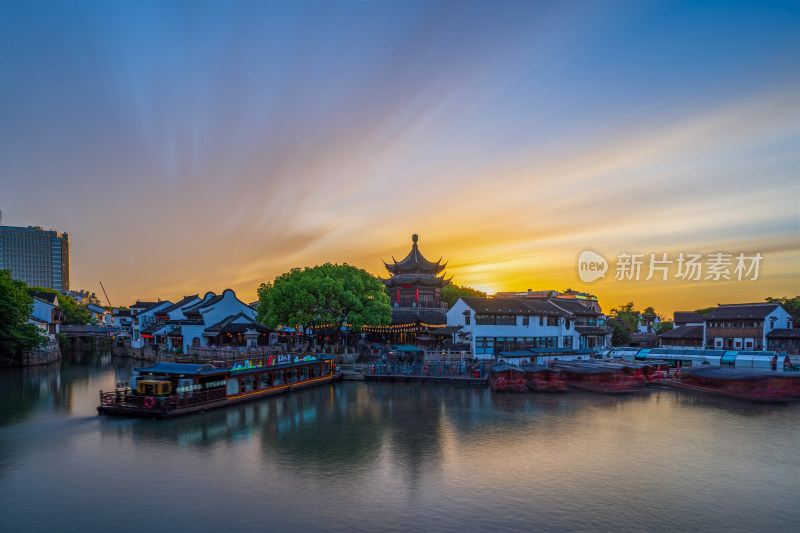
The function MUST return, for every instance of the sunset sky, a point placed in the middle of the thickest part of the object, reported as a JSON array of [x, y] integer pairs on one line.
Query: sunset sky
[[191, 146]]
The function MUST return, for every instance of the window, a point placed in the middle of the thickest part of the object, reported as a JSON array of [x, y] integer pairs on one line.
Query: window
[[525, 321], [568, 342], [552, 321], [541, 321], [484, 320], [466, 319], [248, 383], [233, 386]]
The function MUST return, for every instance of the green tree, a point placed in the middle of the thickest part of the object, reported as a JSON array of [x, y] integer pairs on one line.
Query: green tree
[[452, 292], [330, 294], [626, 316], [791, 305], [705, 311], [73, 313], [16, 335], [621, 336]]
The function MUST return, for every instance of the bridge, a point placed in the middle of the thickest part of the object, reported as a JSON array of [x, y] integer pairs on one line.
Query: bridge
[[72, 330]]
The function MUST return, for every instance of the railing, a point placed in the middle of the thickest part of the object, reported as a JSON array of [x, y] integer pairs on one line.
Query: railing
[[126, 398], [74, 328], [427, 369]]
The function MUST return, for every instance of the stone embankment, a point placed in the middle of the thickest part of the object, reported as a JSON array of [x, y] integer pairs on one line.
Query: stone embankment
[[45, 355]]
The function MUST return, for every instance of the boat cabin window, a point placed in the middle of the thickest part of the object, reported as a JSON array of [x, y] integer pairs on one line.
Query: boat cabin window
[[315, 371], [233, 386], [292, 376], [278, 378], [248, 383], [264, 381], [326, 369], [304, 373], [153, 387]]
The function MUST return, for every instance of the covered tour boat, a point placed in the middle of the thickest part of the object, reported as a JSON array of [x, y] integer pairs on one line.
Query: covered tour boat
[[170, 389], [543, 379], [505, 377], [750, 383], [605, 377]]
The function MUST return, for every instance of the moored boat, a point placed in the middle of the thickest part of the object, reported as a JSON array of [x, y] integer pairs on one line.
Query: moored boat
[[543, 379], [602, 376], [505, 377], [749, 383], [171, 389]]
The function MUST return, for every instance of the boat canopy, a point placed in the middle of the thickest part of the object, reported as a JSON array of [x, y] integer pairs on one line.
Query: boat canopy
[[182, 368]]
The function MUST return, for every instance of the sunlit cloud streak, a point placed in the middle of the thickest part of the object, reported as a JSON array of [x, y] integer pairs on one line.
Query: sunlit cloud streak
[[192, 146]]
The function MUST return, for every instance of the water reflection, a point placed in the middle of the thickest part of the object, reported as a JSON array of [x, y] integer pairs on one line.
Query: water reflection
[[395, 457]]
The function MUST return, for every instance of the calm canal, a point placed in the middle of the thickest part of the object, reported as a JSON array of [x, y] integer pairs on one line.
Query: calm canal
[[384, 457]]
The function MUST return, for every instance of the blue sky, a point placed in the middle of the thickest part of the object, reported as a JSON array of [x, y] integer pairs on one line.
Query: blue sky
[[193, 146]]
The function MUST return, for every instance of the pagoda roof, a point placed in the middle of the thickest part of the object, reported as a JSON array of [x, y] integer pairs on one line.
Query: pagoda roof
[[414, 263]]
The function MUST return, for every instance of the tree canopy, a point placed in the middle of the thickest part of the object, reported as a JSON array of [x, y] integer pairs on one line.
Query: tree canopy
[[329, 294], [621, 336], [625, 315], [791, 305], [452, 292], [16, 335]]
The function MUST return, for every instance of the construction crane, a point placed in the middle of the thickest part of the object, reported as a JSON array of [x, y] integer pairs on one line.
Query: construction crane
[[104, 292]]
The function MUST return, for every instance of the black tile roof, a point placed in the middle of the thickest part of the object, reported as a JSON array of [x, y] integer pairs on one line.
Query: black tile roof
[[210, 301], [153, 306], [414, 263], [185, 300], [49, 297], [688, 317], [747, 311], [793, 333], [683, 332], [412, 316], [151, 328], [574, 307], [229, 325], [512, 306]]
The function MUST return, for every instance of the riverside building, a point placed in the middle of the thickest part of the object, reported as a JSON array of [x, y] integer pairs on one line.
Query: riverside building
[[36, 256]]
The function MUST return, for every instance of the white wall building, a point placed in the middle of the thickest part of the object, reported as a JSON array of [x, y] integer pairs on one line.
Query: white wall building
[[494, 325], [744, 326]]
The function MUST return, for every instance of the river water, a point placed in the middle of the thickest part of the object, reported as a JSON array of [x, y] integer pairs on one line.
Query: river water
[[392, 457]]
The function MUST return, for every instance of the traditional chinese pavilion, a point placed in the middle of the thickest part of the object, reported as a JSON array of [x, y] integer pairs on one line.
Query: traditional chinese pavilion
[[415, 281], [414, 287]]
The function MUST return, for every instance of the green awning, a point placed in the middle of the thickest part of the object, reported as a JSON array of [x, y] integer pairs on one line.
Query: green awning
[[409, 348], [728, 358]]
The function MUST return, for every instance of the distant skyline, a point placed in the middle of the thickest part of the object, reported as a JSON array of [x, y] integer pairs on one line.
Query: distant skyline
[[193, 146]]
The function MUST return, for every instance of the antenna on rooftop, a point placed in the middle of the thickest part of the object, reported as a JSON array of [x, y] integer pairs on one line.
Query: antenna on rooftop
[[104, 292]]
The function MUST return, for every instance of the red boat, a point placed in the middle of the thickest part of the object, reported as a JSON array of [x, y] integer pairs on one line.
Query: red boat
[[601, 376], [505, 377], [746, 383], [543, 379]]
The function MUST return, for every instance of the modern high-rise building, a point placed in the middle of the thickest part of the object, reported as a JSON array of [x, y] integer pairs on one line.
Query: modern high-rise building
[[38, 257]]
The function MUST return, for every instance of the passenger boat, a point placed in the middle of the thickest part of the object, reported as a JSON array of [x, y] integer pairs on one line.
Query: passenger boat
[[602, 376], [170, 389], [540, 378], [505, 377], [746, 383]]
